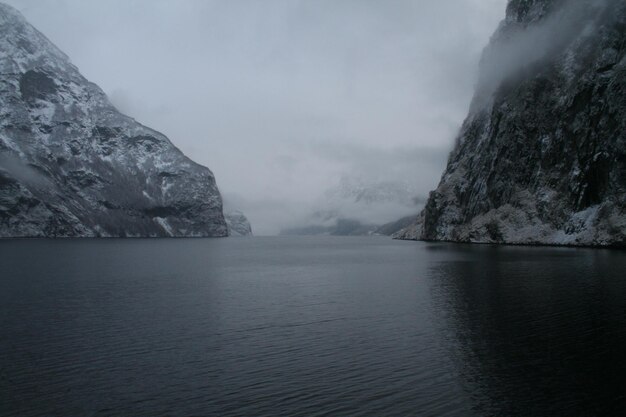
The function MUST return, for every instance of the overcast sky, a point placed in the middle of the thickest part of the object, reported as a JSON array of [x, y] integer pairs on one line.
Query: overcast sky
[[281, 98]]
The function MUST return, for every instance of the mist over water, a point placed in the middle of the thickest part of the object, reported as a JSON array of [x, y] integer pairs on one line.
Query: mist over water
[[283, 98]]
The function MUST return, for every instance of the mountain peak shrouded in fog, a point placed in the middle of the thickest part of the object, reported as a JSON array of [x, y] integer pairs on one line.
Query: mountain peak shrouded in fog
[[527, 11], [541, 156], [71, 165]]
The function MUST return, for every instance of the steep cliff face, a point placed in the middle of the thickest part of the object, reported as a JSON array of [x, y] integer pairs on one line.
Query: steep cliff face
[[541, 158], [72, 165]]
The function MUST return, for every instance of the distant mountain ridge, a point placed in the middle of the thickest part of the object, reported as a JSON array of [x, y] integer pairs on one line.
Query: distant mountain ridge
[[358, 207], [541, 157], [359, 190], [71, 165]]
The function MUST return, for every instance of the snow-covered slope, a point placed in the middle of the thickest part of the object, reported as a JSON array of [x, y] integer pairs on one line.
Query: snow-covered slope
[[72, 165], [541, 158]]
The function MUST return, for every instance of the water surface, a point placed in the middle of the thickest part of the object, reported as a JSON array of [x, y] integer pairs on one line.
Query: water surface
[[311, 326]]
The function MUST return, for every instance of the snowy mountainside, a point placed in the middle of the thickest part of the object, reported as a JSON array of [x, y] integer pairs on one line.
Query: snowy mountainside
[[72, 165]]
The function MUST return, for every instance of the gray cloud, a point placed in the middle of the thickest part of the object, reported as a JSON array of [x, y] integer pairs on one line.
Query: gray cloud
[[282, 98]]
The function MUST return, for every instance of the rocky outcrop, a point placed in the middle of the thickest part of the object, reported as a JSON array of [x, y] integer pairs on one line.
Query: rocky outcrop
[[238, 224], [541, 158], [72, 165]]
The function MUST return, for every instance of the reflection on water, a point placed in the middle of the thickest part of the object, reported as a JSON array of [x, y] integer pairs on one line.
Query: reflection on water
[[536, 331], [309, 326]]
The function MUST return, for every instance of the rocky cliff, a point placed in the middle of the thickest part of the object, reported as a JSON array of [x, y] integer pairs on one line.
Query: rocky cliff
[[72, 165], [541, 157], [238, 224]]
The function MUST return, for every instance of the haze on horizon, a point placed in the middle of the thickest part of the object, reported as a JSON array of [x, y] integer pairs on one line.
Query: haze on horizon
[[285, 100]]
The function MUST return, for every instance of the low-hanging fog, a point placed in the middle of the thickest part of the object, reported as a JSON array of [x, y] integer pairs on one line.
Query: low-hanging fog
[[293, 104]]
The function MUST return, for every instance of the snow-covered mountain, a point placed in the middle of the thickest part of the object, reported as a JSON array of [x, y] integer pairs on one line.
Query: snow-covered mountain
[[541, 158], [72, 165]]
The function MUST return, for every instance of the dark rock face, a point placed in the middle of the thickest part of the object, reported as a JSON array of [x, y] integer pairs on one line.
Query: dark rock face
[[541, 158], [72, 165], [525, 11]]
